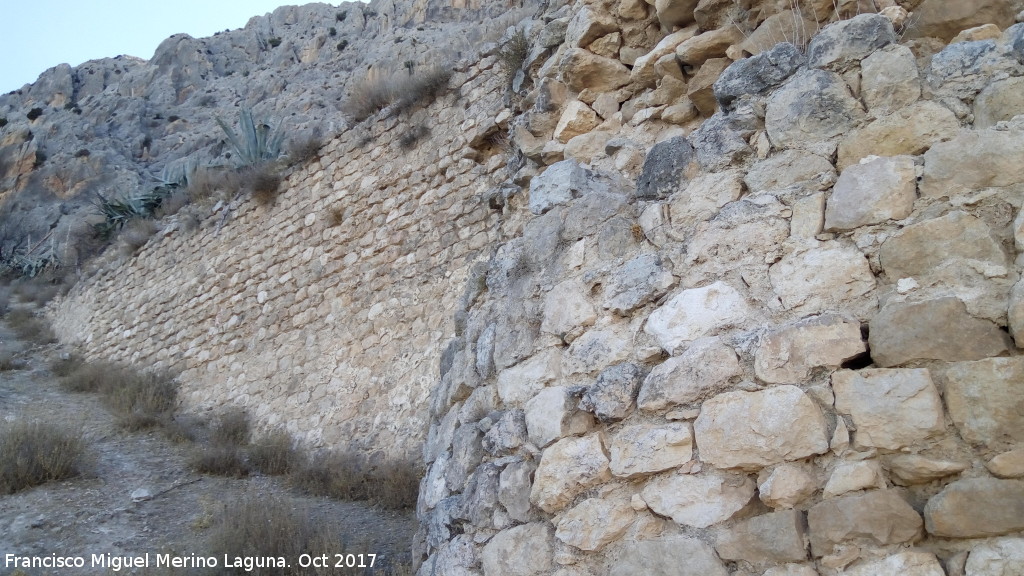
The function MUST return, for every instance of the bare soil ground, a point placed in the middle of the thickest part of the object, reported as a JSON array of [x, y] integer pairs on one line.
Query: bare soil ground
[[96, 514]]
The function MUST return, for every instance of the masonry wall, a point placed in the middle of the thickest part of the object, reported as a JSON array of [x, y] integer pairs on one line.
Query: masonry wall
[[329, 330]]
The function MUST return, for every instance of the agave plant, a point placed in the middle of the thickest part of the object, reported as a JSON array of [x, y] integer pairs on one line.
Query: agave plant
[[257, 142], [117, 212]]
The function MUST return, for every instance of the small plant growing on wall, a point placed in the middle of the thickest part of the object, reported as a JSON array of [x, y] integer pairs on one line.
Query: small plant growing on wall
[[513, 54], [255, 142], [274, 42], [34, 113]]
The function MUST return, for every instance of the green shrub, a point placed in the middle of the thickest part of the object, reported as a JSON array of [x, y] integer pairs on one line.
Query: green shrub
[[274, 42], [513, 54], [36, 453], [34, 113]]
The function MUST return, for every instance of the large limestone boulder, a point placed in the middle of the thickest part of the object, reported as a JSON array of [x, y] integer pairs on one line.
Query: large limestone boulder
[[665, 169], [945, 19], [975, 159], [516, 385], [648, 448], [976, 508], [890, 79], [1001, 100], [705, 368], [922, 247], [757, 74], [911, 131], [581, 69], [711, 44], [667, 556], [909, 563], [891, 409], [812, 108], [698, 501], [938, 329], [986, 401], [789, 353], [877, 518], [504, 554], [695, 313], [587, 25], [567, 468], [771, 538], [997, 557], [577, 119], [675, 12], [595, 522], [699, 89], [786, 168], [845, 43], [825, 277], [780, 424], [873, 191]]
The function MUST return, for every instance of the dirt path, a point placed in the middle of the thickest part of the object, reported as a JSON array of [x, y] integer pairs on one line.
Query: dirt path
[[96, 514]]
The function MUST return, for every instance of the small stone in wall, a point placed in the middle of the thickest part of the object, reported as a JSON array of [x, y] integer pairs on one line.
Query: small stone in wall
[[695, 313], [922, 247], [567, 468], [577, 118], [525, 550], [672, 555], [786, 168], [853, 476], [910, 469], [1001, 100], [757, 74], [876, 190], [507, 434], [791, 570], [985, 400], [553, 414], [567, 311], [786, 486], [890, 79], [781, 423], [938, 329], [596, 349], [698, 501], [911, 130], [665, 169], [845, 43], [514, 484], [594, 523], [967, 162], [648, 448], [789, 353], [770, 538], [829, 276], [705, 368], [976, 508], [876, 518], [908, 563], [516, 385], [612, 396], [1008, 464], [811, 109], [636, 283], [997, 557], [891, 409]]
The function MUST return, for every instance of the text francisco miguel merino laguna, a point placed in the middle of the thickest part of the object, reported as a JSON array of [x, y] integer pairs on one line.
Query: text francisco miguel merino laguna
[[147, 560]]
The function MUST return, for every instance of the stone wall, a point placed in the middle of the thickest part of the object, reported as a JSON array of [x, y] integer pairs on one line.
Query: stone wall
[[326, 312], [782, 340]]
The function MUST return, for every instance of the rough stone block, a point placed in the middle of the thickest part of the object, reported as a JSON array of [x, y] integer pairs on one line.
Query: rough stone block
[[771, 538], [695, 313], [976, 508], [873, 191], [648, 448], [504, 554], [698, 501], [594, 523], [789, 353], [986, 401], [567, 468], [705, 368], [667, 556], [891, 409], [877, 518]]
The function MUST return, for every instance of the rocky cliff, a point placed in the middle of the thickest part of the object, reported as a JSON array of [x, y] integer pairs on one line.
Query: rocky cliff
[[694, 287]]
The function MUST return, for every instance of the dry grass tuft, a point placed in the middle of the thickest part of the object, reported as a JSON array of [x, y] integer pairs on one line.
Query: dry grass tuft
[[219, 460], [138, 400], [274, 454], [264, 182], [304, 149], [29, 327], [379, 90], [36, 453], [135, 234], [346, 475], [513, 54], [231, 428], [8, 363]]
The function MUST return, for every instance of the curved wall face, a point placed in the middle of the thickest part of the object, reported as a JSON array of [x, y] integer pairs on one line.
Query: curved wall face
[[326, 312], [781, 340]]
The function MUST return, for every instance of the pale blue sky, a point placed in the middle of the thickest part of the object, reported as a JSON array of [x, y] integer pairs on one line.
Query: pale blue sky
[[39, 34]]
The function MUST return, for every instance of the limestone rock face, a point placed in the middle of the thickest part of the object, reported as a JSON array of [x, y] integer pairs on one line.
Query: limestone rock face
[[838, 46], [872, 192], [695, 313], [822, 278], [703, 369], [946, 18], [920, 248], [595, 522], [891, 409], [581, 69], [698, 501], [985, 400], [938, 329], [567, 468], [787, 168], [876, 518], [664, 170], [613, 394], [780, 424], [504, 554], [796, 119], [972, 161], [562, 182], [890, 79], [911, 131], [668, 556], [771, 538], [998, 557], [909, 563], [788, 354], [785, 486], [976, 508], [757, 74], [648, 448]]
